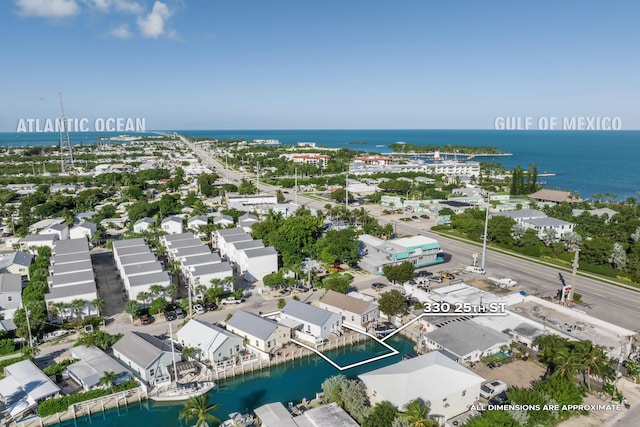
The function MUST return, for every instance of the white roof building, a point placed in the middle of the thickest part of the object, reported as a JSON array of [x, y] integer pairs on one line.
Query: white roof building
[[212, 342], [92, 364], [448, 386], [257, 263], [312, 321], [172, 225], [24, 386], [143, 224], [84, 229]]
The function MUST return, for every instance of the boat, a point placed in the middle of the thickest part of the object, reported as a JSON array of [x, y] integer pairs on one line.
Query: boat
[[384, 329], [380, 146], [183, 391]]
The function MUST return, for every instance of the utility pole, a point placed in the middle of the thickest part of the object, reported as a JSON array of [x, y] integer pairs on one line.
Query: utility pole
[[26, 312], [346, 192], [295, 185], [574, 272], [484, 240]]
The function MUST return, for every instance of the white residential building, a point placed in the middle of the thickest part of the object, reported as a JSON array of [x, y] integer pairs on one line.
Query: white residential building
[[23, 387], [257, 263], [172, 225], [450, 388], [313, 322], [143, 224], [84, 229], [212, 342], [10, 294], [265, 335], [355, 312], [60, 230]]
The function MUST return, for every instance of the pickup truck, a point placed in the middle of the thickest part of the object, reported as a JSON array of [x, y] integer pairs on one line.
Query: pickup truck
[[231, 300]]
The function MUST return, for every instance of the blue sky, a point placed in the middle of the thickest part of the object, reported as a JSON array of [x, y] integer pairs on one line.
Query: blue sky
[[332, 64]]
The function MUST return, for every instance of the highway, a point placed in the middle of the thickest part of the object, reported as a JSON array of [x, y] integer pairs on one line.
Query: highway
[[614, 304]]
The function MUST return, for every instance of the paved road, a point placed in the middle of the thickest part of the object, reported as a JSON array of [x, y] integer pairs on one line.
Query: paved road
[[616, 305]]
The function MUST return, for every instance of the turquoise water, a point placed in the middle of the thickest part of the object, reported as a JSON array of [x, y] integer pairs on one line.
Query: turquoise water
[[589, 162], [289, 382]]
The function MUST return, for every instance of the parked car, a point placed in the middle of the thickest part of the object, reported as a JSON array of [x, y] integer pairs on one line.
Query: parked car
[[231, 300], [210, 306], [377, 286], [448, 276], [170, 315], [500, 399], [179, 313], [474, 269], [436, 279], [145, 319], [492, 389], [424, 216], [199, 309]]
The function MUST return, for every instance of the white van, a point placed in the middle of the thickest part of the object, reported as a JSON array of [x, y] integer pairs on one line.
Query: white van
[[474, 269], [492, 388]]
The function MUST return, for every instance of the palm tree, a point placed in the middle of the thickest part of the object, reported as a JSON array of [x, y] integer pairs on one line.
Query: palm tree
[[417, 413], [143, 297], [108, 379], [57, 308], [197, 408], [189, 352], [77, 305], [156, 290], [98, 303], [592, 358]]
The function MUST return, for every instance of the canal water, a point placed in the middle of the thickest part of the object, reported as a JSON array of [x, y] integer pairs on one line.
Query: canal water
[[288, 382]]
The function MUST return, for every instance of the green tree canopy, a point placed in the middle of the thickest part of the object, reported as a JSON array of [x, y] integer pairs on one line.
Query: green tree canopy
[[392, 303]]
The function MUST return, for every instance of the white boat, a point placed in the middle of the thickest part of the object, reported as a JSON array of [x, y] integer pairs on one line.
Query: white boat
[[183, 391], [380, 146], [178, 391]]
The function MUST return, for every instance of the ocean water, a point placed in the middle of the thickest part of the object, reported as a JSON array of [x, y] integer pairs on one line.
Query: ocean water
[[590, 162]]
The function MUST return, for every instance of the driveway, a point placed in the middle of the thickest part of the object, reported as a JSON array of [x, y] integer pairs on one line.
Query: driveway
[[109, 284]]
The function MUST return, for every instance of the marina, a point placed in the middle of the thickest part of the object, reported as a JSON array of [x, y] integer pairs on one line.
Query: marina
[[297, 379]]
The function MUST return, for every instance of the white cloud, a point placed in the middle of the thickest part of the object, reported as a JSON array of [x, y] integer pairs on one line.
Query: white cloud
[[121, 32], [153, 25], [48, 8], [127, 6]]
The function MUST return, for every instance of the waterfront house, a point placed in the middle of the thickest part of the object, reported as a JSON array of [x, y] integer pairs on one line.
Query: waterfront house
[[212, 342], [276, 415], [10, 294], [355, 312], [23, 387], [60, 230], [450, 388], [600, 212], [257, 263], [421, 251], [91, 366], [265, 335], [172, 225], [143, 224], [312, 323], [467, 340], [84, 229], [16, 263], [146, 356]]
